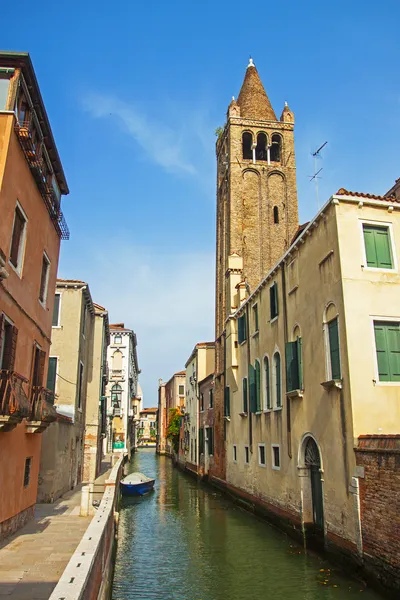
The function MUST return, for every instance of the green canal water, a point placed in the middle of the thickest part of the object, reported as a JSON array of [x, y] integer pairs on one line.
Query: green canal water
[[185, 541]]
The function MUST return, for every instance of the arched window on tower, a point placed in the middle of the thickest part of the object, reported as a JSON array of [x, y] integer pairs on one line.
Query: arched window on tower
[[247, 142], [276, 215], [261, 148], [275, 150]]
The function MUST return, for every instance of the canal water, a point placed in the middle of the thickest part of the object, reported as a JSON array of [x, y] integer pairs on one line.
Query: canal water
[[186, 541]]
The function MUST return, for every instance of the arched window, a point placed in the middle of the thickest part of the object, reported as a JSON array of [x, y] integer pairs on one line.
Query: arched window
[[275, 150], [258, 385], [267, 391], [247, 143], [117, 361], [116, 394], [277, 381], [276, 215], [261, 148]]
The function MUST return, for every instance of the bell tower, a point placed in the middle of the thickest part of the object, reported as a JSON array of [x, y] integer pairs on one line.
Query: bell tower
[[257, 210]]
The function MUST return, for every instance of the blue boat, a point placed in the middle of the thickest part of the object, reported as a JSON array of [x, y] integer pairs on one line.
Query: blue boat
[[136, 484]]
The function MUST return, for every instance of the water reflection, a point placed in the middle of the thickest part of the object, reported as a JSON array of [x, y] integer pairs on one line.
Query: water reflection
[[185, 541]]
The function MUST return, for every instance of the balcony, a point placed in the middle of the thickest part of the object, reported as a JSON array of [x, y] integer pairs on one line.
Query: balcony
[[42, 411], [34, 149], [14, 403]]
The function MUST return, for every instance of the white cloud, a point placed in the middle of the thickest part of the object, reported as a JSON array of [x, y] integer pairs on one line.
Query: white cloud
[[168, 299], [163, 144]]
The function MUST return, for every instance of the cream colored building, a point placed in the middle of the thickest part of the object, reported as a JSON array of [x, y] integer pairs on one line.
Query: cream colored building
[[199, 365], [75, 373], [312, 363], [148, 427]]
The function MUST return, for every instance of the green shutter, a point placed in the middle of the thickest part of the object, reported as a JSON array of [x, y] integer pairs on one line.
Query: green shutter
[[56, 310], [299, 343], [292, 374], [387, 341], [334, 349], [273, 297], [201, 440], [242, 329], [277, 360], [267, 384], [258, 386], [252, 384], [51, 374], [377, 247], [227, 403], [245, 403]]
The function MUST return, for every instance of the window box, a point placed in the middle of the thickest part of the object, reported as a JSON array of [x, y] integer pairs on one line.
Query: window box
[[332, 384], [295, 394], [243, 414]]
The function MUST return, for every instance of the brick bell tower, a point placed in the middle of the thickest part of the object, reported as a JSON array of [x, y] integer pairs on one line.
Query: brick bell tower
[[257, 210]]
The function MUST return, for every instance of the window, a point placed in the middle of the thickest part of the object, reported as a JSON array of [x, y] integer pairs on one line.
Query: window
[[5, 75], [247, 145], [234, 453], [334, 352], [8, 344], [276, 215], [227, 402], [80, 385], [44, 279], [267, 391], [273, 299], [261, 148], [117, 361], [18, 238], [52, 374], [201, 402], [258, 385], [378, 251], [261, 455], [255, 387], [294, 366], [277, 380], [118, 339], [211, 399], [201, 440], [27, 471], [242, 329], [387, 341], [276, 457], [245, 398], [56, 311], [275, 150], [181, 390], [255, 317], [246, 455], [84, 318], [38, 361], [210, 440]]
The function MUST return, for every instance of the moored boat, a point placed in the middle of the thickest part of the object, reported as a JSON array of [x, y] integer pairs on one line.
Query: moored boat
[[136, 484]]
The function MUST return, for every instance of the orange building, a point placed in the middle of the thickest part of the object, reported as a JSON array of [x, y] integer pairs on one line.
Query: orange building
[[31, 227]]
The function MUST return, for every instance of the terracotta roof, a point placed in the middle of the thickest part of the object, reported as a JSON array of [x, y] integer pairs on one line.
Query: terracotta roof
[[344, 192], [98, 306], [253, 100], [149, 410], [179, 373], [77, 281], [208, 344], [300, 229]]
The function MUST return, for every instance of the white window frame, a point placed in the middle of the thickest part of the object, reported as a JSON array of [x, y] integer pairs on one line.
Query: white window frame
[[259, 456], [234, 453], [246, 462], [58, 362], [58, 326], [43, 302], [21, 251], [376, 380], [364, 264], [274, 396], [179, 394], [275, 468], [264, 394]]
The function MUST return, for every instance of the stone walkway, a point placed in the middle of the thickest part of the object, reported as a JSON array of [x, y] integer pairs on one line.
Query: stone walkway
[[33, 560]]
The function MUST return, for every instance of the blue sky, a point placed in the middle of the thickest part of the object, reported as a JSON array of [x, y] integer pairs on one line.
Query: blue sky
[[134, 92]]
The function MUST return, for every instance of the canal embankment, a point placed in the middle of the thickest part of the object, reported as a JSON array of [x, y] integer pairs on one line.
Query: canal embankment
[[88, 574]]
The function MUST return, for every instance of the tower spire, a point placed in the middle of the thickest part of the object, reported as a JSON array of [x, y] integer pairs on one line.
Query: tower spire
[[253, 100]]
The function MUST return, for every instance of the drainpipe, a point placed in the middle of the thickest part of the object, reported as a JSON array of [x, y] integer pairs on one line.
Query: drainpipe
[[250, 414], [286, 339]]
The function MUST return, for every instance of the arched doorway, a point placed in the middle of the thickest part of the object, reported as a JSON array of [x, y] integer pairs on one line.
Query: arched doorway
[[312, 461]]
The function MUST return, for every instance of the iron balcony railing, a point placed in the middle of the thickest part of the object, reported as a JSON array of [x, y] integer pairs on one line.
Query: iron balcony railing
[[42, 405], [33, 150], [13, 399]]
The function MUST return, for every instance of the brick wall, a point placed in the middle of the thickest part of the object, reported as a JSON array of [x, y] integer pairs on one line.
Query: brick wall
[[380, 506]]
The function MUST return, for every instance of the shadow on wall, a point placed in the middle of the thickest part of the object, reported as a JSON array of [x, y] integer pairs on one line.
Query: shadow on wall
[[34, 590]]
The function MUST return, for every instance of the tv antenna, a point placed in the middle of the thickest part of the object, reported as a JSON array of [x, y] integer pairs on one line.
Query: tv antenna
[[316, 176]]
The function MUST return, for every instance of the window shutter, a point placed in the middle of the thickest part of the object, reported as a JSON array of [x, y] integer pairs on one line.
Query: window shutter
[[334, 349], [51, 374], [252, 383], [370, 251], [276, 299], [291, 366], [267, 382], [278, 380], [240, 330], [227, 403], [13, 348], [245, 403], [382, 245], [273, 297], [56, 310], [42, 362], [1, 333], [393, 344], [382, 352], [258, 386], [299, 343]]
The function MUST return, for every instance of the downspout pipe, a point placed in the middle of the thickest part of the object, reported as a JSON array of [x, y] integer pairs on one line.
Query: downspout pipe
[[250, 414], [286, 339]]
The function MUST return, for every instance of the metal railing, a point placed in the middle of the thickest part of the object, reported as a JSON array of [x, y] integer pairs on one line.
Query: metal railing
[[14, 401], [42, 405]]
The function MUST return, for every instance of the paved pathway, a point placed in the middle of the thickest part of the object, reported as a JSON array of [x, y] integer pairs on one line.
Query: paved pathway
[[32, 560]]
